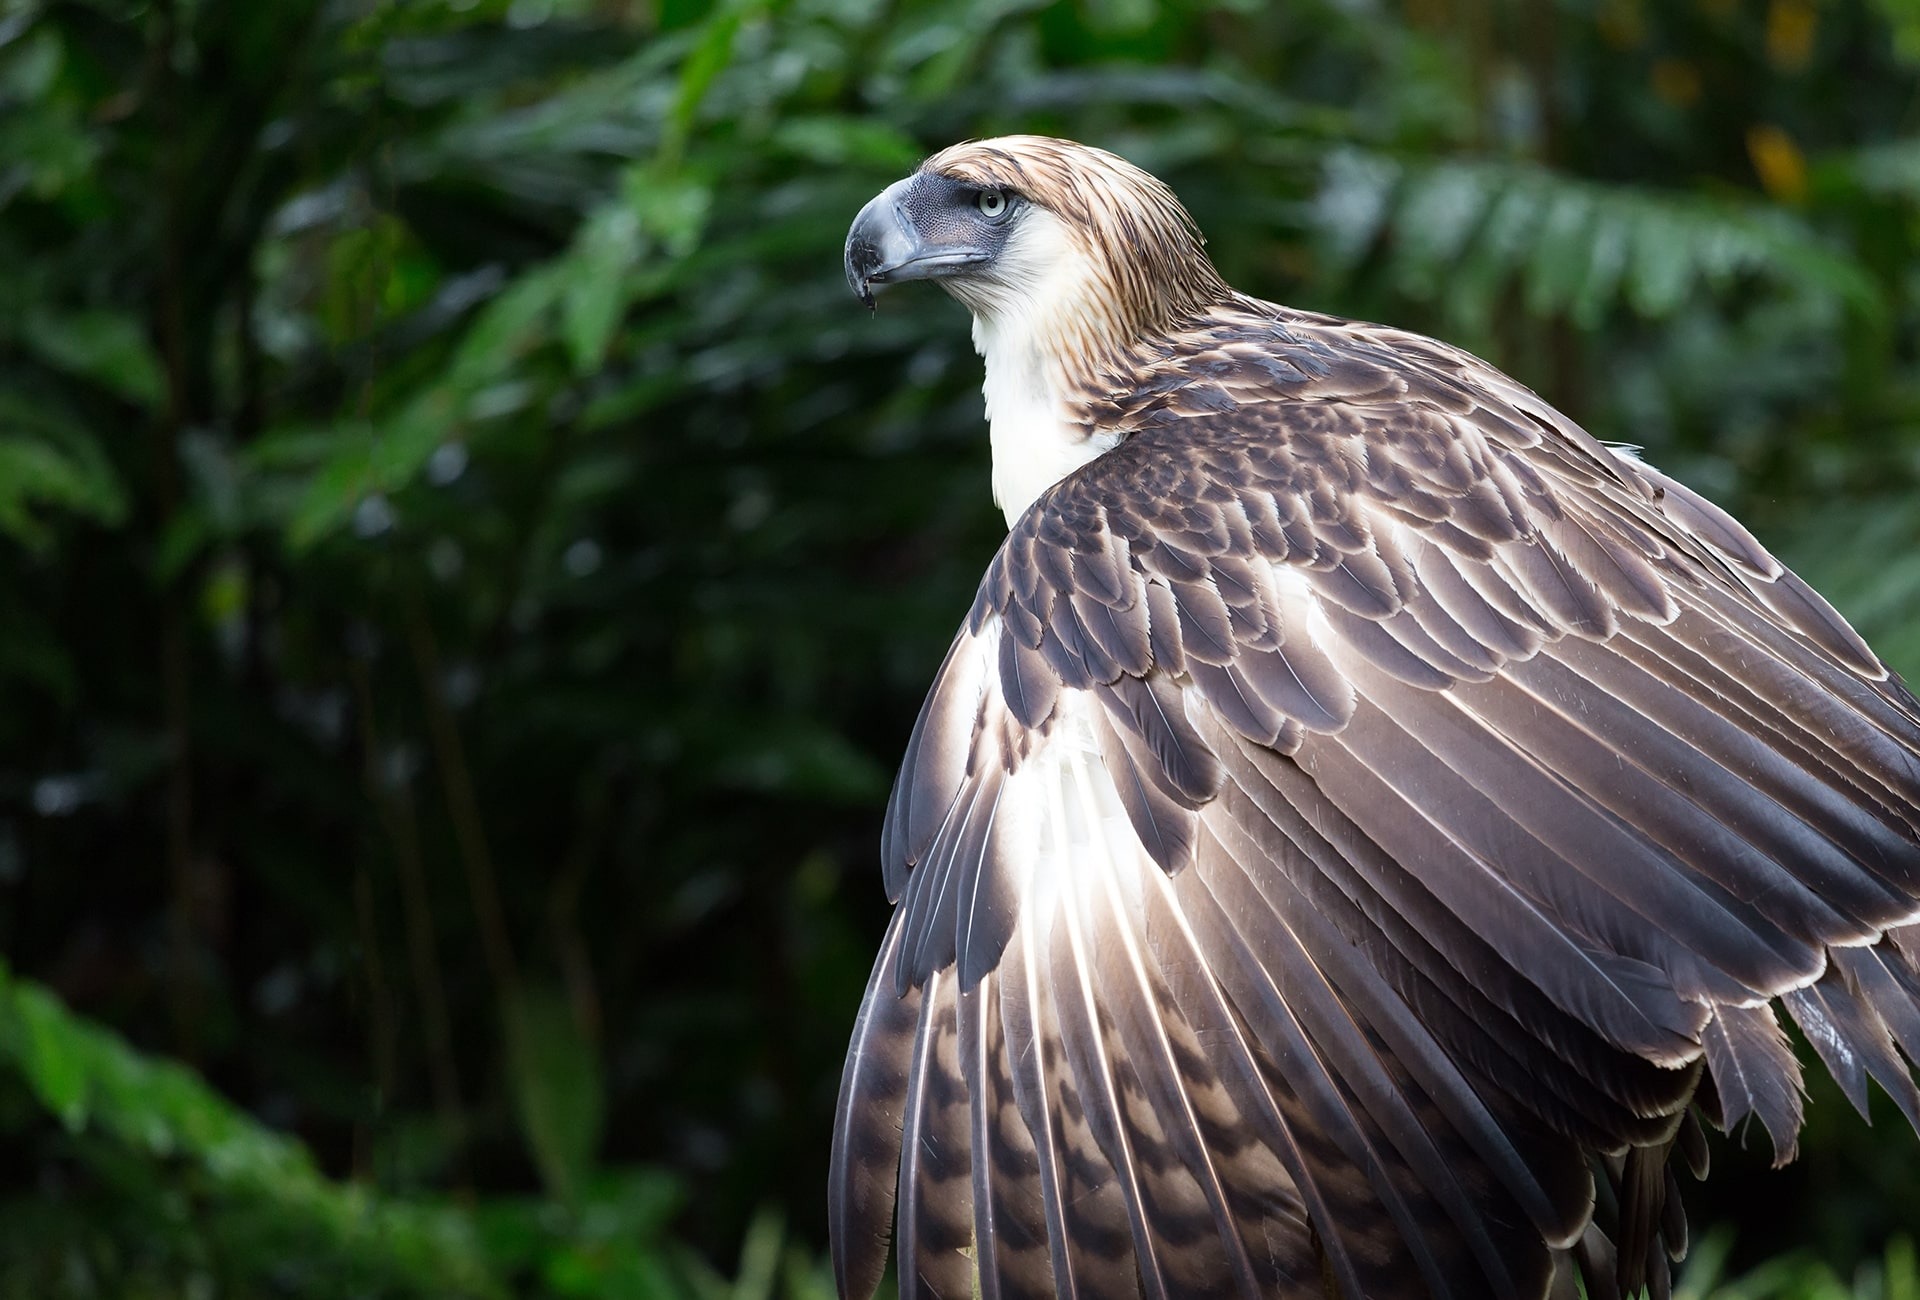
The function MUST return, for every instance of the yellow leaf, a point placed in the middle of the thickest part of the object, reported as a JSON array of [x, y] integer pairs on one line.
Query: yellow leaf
[[1778, 162], [1790, 29]]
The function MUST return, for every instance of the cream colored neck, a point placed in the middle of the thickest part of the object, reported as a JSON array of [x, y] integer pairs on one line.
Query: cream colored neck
[[1035, 436]]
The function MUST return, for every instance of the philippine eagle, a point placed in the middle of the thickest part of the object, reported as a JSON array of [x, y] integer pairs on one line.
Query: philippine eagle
[[1364, 825]]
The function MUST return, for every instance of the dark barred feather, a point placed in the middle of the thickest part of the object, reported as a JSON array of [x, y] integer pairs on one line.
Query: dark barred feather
[[867, 1126]]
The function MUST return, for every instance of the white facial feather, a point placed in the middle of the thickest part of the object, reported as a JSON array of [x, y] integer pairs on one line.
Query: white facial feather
[[1023, 326]]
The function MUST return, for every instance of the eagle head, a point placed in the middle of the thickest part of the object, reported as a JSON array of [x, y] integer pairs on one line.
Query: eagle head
[[1072, 242]]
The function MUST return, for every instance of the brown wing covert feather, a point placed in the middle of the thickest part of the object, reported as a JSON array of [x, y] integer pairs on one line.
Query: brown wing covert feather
[[1430, 802]]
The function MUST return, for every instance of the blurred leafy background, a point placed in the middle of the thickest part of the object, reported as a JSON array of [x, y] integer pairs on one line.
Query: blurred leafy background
[[467, 565]]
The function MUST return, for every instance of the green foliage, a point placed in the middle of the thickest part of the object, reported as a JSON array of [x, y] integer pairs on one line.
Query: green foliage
[[194, 1195], [1894, 1277], [169, 1148], [556, 1081], [467, 565], [1468, 232]]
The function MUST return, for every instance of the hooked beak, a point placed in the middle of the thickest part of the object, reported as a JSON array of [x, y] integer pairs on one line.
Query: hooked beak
[[886, 247]]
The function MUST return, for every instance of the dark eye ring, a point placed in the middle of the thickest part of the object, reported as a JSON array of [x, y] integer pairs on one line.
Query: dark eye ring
[[992, 204]]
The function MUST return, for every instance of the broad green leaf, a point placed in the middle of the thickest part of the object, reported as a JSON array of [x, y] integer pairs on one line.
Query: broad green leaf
[[1904, 17], [1891, 169], [598, 275], [97, 1086], [1477, 280], [832, 140], [108, 348], [55, 1062], [1659, 271], [385, 455], [1437, 214], [707, 60], [1353, 204], [334, 491], [673, 207], [1609, 246], [1122, 15], [557, 1086], [382, 458], [760, 1257], [512, 324], [30, 65], [1903, 1270], [1558, 265], [35, 474], [658, 209]]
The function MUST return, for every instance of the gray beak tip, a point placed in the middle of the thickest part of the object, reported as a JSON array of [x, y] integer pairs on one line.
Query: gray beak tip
[[864, 255], [862, 287]]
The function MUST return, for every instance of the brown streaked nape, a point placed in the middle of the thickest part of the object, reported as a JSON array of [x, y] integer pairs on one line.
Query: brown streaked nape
[[1154, 254]]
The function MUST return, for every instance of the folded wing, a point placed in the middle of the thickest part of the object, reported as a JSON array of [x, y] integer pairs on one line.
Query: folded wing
[[1357, 810]]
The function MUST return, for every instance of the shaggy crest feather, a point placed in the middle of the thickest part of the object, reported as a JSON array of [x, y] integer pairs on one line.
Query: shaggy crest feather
[[1151, 255]]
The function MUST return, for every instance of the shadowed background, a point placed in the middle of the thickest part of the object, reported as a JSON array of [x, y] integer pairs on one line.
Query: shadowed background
[[468, 565]]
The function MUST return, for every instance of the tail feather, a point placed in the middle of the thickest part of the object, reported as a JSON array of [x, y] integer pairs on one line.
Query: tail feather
[[1009, 1212], [1851, 1037], [867, 1127], [936, 1246], [1425, 1179], [1086, 1214], [1754, 1073]]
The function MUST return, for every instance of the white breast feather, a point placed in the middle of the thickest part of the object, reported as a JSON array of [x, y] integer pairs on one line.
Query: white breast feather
[[1034, 444]]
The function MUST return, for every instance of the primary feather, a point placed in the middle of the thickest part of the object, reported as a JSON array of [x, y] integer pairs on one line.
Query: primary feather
[[1362, 821]]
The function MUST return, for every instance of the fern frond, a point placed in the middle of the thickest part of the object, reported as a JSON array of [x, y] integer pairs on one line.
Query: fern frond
[[1461, 232]]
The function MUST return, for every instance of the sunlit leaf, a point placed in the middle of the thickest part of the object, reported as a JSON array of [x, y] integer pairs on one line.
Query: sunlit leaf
[[53, 1056], [598, 283], [92, 1081]]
